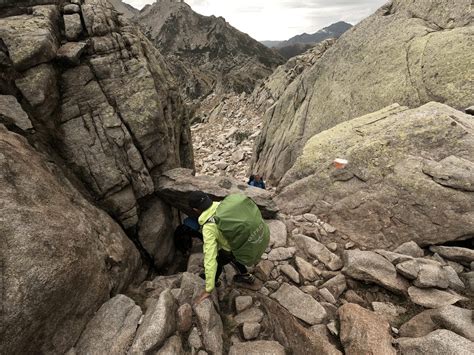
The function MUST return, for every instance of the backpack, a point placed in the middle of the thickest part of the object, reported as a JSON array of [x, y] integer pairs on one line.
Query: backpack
[[239, 220]]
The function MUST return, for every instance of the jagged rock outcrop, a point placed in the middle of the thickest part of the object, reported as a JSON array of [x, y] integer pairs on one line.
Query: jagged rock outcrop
[[12, 115], [281, 310], [226, 128], [87, 89], [175, 185], [61, 257], [401, 162], [118, 119], [273, 87], [409, 53], [206, 53], [100, 96], [127, 10]]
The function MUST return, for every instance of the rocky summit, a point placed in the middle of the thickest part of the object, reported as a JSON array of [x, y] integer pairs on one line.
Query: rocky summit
[[111, 116], [205, 52]]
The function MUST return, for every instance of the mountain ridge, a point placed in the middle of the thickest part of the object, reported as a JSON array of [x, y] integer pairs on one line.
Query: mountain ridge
[[205, 53], [334, 30]]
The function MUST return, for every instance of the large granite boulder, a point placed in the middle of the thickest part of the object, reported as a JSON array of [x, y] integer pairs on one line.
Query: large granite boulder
[[31, 38], [112, 329], [401, 162], [289, 332], [62, 258], [439, 342], [12, 114], [155, 229], [158, 324], [364, 332], [211, 326], [368, 266], [300, 304], [175, 185], [462, 255], [112, 112], [407, 52]]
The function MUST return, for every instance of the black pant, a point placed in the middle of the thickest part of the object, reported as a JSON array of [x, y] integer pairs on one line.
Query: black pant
[[226, 257]]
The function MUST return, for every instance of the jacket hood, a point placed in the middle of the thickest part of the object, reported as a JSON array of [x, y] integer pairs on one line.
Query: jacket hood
[[211, 211]]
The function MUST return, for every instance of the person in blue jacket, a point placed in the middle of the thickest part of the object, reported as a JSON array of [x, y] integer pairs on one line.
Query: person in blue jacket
[[256, 181]]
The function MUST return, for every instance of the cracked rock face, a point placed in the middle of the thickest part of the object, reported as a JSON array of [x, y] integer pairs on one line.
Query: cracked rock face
[[405, 53], [61, 257], [112, 111], [31, 39], [106, 110], [384, 197]]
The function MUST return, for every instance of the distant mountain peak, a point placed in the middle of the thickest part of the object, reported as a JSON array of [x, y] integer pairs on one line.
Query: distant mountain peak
[[302, 42], [206, 53]]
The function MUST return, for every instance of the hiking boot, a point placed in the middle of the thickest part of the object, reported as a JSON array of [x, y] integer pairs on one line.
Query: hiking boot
[[245, 278]]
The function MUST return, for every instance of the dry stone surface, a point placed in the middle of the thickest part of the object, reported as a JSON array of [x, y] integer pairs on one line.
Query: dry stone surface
[[251, 315], [112, 329], [257, 348], [172, 346], [439, 342], [31, 39], [433, 298], [385, 56], [420, 325], [390, 176], [81, 255], [12, 113], [458, 320], [363, 331], [301, 305], [319, 251], [371, 267], [242, 303], [211, 326], [158, 324], [278, 233], [175, 185], [463, 255], [411, 249]]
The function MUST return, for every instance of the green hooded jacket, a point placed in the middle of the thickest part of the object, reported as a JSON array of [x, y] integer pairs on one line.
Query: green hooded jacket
[[213, 241]]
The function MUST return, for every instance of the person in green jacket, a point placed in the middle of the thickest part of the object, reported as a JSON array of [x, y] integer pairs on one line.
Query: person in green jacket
[[217, 251]]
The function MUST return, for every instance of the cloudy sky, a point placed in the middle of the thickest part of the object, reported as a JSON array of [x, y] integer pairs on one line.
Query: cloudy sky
[[281, 19]]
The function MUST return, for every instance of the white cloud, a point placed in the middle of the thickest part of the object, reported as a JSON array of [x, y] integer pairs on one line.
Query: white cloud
[[281, 19]]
